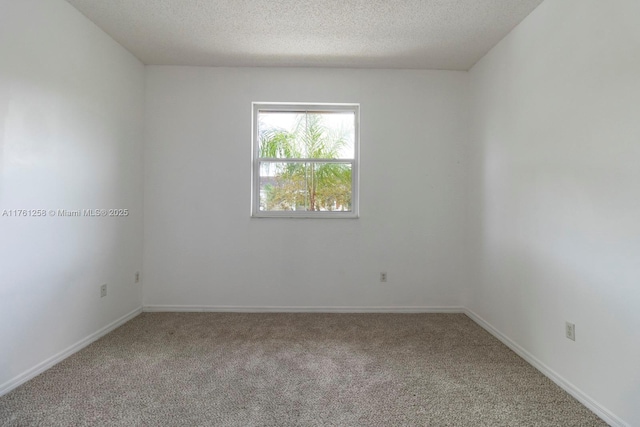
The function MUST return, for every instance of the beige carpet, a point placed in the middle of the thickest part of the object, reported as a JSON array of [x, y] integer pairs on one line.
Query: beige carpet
[[237, 369]]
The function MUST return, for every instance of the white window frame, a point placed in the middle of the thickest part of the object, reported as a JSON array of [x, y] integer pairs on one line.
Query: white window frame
[[255, 159]]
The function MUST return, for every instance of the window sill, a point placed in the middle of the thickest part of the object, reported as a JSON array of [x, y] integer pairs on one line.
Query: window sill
[[307, 215]]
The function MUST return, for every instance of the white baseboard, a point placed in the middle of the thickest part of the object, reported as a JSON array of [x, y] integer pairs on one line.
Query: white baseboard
[[43, 366], [583, 398], [300, 309], [606, 415]]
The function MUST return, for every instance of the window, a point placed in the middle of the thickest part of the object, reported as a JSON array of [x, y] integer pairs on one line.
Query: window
[[305, 160]]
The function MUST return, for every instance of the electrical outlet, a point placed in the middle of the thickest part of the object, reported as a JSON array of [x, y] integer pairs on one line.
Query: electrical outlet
[[383, 277], [137, 276], [103, 290], [570, 330]]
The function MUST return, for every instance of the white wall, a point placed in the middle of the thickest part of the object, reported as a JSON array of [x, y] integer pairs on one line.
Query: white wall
[[203, 249], [550, 193], [555, 196], [71, 134]]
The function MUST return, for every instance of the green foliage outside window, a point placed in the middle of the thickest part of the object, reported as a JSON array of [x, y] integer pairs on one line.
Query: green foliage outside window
[[305, 185]]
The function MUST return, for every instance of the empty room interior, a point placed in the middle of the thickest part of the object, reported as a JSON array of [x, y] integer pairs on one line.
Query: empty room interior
[[351, 213]]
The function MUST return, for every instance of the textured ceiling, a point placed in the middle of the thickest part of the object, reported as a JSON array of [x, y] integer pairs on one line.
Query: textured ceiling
[[426, 34]]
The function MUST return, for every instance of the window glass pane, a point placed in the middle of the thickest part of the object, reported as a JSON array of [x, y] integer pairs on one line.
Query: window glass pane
[[305, 186], [314, 135]]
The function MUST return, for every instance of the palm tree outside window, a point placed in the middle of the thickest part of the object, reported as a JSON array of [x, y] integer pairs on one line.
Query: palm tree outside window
[[305, 160]]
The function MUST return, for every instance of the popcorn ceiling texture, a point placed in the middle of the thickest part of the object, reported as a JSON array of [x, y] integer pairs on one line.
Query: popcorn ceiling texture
[[421, 34]]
